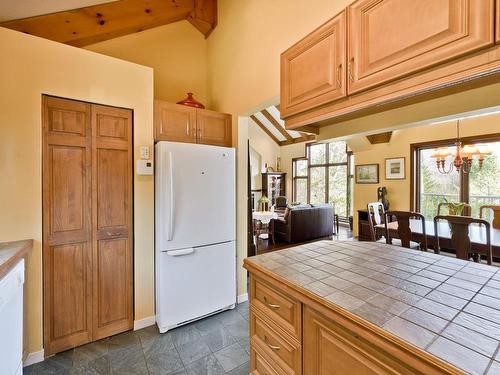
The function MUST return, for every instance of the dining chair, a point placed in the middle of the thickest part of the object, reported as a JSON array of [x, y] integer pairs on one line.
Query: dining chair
[[466, 210], [404, 231], [460, 240], [376, 216], [495, 223]]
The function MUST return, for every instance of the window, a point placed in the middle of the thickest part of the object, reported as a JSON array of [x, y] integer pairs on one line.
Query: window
[[325, 175], [300, 180], [479, 187]]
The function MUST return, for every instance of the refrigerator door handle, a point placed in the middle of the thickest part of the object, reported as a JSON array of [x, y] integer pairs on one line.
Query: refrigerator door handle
[[171, 205], [178, 253]]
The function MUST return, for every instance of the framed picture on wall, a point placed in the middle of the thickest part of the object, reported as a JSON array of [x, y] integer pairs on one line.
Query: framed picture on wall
[[395, 169], [367, 174]]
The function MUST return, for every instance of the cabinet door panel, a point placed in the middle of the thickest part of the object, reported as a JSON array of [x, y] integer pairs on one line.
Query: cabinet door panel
[[112, 220], [213, 128], [67, 256], [313, 70], [174, 122], [388, 39], [497, 21], [329, 349]]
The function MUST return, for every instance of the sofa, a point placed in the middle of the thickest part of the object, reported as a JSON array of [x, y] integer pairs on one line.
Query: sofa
[[304, 223]]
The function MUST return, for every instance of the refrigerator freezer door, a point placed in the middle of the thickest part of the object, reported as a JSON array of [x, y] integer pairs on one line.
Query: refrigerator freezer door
[[195, 195], [194, 283]]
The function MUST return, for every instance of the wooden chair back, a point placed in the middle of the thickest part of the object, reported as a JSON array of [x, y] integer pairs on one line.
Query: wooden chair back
[[376, 215], [404, 230], [466, 211], [495, 223], [460, 240]]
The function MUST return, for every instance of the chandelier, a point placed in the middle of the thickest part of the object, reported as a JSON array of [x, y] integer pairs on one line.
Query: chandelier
[[463, 158]]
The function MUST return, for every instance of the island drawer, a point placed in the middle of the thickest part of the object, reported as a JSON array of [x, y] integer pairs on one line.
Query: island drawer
[[260, 363], [281, 308], [284, 351]]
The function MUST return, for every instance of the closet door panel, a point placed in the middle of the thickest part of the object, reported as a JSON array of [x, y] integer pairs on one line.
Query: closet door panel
[[112, 220], [67, 256]]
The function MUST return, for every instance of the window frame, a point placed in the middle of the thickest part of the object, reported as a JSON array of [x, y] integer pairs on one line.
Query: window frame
[[464, 177], [326, 166]]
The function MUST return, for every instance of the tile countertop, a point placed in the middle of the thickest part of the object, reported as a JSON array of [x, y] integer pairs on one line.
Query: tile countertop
[[11, 252], [446, 306]]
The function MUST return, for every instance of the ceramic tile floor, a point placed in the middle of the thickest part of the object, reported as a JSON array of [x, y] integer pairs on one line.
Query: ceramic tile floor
[[216, 345]]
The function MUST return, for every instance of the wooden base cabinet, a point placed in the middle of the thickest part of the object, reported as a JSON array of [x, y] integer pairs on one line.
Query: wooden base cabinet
[[87, 222], [180, 123], [293, 331]]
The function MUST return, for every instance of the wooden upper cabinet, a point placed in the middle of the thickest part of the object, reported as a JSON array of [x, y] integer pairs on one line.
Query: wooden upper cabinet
[[180, 123], [388, 39], [213, 128], [174, 122], [313, 70], [497, 22]]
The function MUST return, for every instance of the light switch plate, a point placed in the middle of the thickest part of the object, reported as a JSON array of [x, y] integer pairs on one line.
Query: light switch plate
[[145, 152]]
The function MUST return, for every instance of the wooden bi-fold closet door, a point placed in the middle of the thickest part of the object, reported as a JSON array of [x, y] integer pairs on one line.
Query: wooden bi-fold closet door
[[87, 222]]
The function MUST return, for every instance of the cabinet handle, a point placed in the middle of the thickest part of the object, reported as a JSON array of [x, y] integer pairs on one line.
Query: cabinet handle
[[272, 306], [272, 347], [113, 234], [339, 76], [350, 67]]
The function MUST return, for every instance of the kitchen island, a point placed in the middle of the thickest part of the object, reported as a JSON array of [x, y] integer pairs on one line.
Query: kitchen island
[[348, 307]]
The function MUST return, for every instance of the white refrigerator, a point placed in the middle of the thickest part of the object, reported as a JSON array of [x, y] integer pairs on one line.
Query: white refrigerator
[[195, 232]]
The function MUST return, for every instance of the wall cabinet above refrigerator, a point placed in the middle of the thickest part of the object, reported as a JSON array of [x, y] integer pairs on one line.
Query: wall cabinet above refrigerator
[[180, 123]]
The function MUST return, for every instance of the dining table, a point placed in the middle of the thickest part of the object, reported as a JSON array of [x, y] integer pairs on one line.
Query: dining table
[[477, 235]]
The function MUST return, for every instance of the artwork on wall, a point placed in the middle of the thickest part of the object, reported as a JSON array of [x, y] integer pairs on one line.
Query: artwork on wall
[[367, 174], [395, 169]]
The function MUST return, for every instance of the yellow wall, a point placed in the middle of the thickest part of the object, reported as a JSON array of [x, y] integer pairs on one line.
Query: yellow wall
[[398, 191], [177, 52], [264, 145], [30, 67]]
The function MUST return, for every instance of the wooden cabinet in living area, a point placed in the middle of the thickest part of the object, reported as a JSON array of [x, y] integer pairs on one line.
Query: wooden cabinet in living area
[[386, 41], [180, 123], [313, 70]]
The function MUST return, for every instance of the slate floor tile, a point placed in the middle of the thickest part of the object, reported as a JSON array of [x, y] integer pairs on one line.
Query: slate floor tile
[[218, 339], [205, 366], [232, 357], [193, 350], [164, 363]]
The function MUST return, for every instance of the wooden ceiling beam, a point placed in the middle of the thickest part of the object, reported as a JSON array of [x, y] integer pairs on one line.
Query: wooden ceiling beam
[[204, 16], [310, 129], [276, 124], [93, 24], [266, 130], [379, 138]]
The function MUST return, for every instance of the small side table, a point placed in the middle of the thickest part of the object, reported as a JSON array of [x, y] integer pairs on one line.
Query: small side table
[[265, 218]]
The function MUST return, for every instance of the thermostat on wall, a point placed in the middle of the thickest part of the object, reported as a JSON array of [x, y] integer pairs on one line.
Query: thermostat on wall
[[144, 167]]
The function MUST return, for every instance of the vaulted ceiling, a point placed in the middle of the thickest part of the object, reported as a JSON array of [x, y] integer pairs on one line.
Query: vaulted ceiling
[[270, 122], [92, 21]]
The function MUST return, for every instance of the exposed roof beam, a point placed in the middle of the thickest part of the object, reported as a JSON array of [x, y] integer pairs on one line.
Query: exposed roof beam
[[92, 24], [310, 129], [266, 130], [379, 138], [276, 124], [204, 16]]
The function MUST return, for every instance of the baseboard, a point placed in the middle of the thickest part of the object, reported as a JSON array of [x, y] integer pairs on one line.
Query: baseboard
[[33, 358], [143, 323], [242, 298]]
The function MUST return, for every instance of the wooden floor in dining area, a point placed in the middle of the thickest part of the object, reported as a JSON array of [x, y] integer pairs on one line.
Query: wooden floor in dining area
[[266, 246]]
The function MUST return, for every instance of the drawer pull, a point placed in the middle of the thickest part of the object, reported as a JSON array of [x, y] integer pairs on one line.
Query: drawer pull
[[339, 76], [272, 347], [271, 305]]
